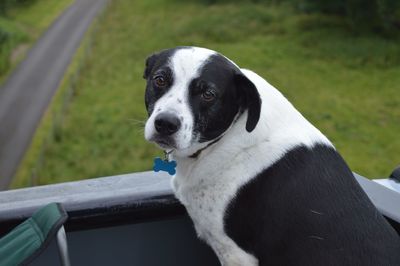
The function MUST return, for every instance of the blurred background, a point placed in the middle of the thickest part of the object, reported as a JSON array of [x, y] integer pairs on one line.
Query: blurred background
[[337, 61]]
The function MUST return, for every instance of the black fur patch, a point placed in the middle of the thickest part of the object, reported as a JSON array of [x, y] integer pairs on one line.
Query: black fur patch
[[308, 209], [157, 63], [214, 117], [234, 94]]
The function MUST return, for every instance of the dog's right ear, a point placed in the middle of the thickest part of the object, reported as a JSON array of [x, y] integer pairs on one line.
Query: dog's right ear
[[249, 99], [150, 61]]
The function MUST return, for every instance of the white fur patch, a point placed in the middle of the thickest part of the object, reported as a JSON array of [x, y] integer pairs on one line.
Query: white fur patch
[[207, 184]]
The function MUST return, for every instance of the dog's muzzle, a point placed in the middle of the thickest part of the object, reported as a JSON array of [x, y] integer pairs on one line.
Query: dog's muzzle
[[166, 125]]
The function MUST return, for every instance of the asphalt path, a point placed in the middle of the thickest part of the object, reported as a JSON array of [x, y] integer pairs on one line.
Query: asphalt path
[[26, 94]]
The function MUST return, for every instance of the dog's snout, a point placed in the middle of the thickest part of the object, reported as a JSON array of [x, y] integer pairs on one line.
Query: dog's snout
[[167, 123]]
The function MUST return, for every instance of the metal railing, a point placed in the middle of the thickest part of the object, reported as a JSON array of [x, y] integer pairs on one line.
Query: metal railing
[[133, 197]]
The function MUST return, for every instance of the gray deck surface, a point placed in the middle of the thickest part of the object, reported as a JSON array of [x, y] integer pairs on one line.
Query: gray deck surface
[[97, 192], [26, 94], [94, 193]]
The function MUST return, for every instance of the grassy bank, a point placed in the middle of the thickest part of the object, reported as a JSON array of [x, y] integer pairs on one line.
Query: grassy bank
[[346, 85], [21, 26]]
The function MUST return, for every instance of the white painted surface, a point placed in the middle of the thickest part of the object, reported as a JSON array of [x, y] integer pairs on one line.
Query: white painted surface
[[389, 183]]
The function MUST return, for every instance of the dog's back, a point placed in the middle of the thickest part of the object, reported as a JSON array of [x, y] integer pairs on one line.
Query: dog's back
[[308, 209]]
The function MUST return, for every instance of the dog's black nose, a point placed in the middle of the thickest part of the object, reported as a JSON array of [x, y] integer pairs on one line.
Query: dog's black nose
[[167, 123]]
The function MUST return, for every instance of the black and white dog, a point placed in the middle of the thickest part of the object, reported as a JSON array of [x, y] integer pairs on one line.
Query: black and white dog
[[261, 184]]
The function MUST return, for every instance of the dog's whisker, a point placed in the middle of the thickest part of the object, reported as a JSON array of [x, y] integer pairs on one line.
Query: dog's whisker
[[313, 211], [138, 122], [316, 237]]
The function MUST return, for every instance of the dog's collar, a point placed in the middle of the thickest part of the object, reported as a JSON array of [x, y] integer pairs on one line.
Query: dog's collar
[[197, 153], [167, 155]]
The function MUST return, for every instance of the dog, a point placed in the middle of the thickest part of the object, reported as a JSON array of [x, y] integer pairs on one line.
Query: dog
[[262, 185]]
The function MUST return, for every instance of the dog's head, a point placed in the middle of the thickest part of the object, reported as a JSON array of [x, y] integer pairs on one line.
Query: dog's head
[[194, 95]]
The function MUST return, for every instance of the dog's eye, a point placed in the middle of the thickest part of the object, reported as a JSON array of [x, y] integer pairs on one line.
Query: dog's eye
[[160, 81], [208, 95]]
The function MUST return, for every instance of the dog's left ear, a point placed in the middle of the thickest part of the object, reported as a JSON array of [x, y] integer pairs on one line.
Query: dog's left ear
[[249, 99], [150, 61]]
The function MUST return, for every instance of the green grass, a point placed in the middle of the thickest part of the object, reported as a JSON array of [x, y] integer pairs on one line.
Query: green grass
[[348, 86], [22, 26]]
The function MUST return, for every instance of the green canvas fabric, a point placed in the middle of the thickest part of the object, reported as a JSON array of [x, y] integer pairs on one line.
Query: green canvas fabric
[[29, 239]]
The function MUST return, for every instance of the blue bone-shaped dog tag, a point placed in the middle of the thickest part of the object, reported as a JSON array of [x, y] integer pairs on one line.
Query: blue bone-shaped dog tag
[[164, 165]]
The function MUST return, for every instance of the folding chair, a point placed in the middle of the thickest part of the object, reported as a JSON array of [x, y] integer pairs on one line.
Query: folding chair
[[29, 239]]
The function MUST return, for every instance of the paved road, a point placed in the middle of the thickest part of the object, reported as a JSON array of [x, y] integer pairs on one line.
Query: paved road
[[26, 94]]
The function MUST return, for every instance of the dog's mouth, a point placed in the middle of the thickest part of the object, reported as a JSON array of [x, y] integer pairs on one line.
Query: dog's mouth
[[164, 143]]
